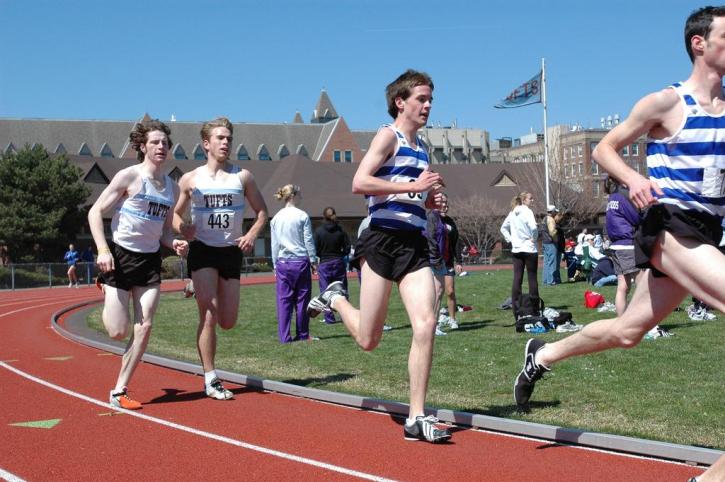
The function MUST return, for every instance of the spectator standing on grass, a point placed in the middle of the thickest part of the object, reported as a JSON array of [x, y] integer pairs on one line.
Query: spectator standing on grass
[[520, 229], [332, 245], [294, 259], [452, 258], [549, 242]]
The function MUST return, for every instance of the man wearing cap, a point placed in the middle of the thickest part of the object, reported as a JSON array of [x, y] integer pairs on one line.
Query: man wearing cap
[[550, 242]]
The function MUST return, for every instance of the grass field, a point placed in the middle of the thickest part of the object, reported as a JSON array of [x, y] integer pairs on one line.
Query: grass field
[[669, 389]]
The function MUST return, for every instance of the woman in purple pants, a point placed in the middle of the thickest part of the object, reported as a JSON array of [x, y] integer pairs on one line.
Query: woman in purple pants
[[293, 257], [332, 244]]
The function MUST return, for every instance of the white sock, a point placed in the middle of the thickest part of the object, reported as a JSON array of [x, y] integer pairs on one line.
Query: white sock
[[209, 376]]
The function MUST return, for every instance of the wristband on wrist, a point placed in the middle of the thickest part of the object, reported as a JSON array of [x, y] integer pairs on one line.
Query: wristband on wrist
[[104, 250]]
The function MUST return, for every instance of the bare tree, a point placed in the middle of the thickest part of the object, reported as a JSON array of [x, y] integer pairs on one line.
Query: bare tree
[[478, 224]]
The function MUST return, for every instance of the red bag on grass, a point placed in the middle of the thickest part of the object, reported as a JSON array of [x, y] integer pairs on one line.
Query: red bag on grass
[[592, 299]]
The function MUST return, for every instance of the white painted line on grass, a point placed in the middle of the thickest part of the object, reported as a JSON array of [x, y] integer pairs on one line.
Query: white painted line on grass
[[201, 433]]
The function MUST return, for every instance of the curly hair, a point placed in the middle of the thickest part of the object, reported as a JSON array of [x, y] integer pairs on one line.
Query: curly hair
[[402, 87], [140, 134]]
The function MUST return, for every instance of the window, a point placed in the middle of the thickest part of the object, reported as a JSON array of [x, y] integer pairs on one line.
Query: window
[[595, 188], [10, 148], [592, 146], [302, 150], [84, 150], [566, 153], [595, 168], [580, 150], [199, 154], [263, 153], [336, 156], [635, 149], [106, 151], [566, 170], [348, 156], [179, 153], [282, 152], [176, 174], [571, 149], [242, 154], [625, 151], [581, 168], [60, 149]]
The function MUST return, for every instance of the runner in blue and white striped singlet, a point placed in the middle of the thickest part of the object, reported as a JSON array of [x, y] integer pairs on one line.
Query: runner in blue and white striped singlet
[[689, 166], [401, 211]]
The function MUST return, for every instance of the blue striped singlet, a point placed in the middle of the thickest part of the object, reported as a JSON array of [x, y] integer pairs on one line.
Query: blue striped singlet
[[404, 211], [689, 166]]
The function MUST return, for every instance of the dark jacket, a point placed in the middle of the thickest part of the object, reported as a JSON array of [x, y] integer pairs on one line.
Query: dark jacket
[[435, 232], [452, 254], [331, 242]]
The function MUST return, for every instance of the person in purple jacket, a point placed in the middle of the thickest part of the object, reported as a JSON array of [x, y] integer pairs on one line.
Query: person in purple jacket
[[622, 219]]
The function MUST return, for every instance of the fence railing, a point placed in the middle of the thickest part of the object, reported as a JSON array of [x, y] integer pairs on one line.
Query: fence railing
[[38, 275]]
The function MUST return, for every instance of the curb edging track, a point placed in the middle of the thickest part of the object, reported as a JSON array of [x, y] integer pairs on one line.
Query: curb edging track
[[663, 450]]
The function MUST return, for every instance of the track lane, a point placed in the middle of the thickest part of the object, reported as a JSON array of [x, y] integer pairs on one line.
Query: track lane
[[364, 441]]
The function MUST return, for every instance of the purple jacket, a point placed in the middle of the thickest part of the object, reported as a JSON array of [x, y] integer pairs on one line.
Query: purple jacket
[[622, 219], [435, 231]]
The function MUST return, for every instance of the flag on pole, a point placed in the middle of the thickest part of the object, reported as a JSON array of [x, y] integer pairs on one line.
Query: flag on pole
[[526, 94]]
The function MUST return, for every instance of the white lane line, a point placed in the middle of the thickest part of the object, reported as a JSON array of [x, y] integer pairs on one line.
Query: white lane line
[[10, 477], [201, 433], [32, 307]]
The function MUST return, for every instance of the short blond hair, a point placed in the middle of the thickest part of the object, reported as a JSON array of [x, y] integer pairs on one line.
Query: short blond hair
[[213, 124]]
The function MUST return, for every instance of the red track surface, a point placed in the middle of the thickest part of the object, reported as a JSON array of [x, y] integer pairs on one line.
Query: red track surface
[[91, 442]]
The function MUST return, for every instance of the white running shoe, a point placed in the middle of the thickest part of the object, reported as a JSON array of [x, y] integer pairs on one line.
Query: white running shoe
[[216, 390], [323, 301], [440, 332]]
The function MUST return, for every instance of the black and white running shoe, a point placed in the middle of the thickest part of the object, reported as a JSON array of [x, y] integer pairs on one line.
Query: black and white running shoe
[[524, 385], [424, 428], [322, 302]]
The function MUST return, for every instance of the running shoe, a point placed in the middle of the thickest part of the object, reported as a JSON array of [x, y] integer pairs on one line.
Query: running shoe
[[216, 390], [387, 327], [440, 332], [568, 327], [122, 400], [189, 289], [452, 323], [322, 302], [530, 374], [424, 428]]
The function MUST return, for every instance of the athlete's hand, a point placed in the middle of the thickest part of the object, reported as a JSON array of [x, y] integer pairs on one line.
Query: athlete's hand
[[181, 247], [104, 261], [641, 189], [434, 200], [188, 230], [426, 181], [245, 243]]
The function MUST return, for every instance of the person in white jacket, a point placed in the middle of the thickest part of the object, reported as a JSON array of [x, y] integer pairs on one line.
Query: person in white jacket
[[519, 228]]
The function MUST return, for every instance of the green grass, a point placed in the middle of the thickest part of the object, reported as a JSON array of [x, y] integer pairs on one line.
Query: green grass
[[667, 389]]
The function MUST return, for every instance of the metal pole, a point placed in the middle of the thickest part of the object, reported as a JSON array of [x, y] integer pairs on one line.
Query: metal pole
[[50, 276], [546, 134], [12, 276]]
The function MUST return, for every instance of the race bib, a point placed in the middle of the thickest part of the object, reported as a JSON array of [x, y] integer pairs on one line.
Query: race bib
[[216, 221], [713, 182]]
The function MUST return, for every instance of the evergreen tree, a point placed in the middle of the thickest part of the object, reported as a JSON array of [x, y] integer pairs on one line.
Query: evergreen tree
[[42, 200]]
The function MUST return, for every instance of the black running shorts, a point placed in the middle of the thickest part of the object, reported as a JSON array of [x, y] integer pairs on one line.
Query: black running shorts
[[132, 269], [391, 253], [227, 260], [703, 227]]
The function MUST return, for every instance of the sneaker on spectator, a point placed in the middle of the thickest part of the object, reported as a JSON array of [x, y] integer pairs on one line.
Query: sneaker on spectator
[[657, 332], [189, 289], [700, 314], [424, 428], [216, 390], [70, 285], [463, 273], [440, 332], [452, 323], [529, 375], [387, 327], [122, 400]]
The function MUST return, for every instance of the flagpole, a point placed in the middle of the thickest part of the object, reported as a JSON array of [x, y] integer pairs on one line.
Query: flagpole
[[546, 134]]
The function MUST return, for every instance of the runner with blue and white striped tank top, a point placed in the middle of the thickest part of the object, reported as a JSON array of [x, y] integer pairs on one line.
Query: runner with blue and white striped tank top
[[138, 222], [400, 211], [689, 166], [217, 208]]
